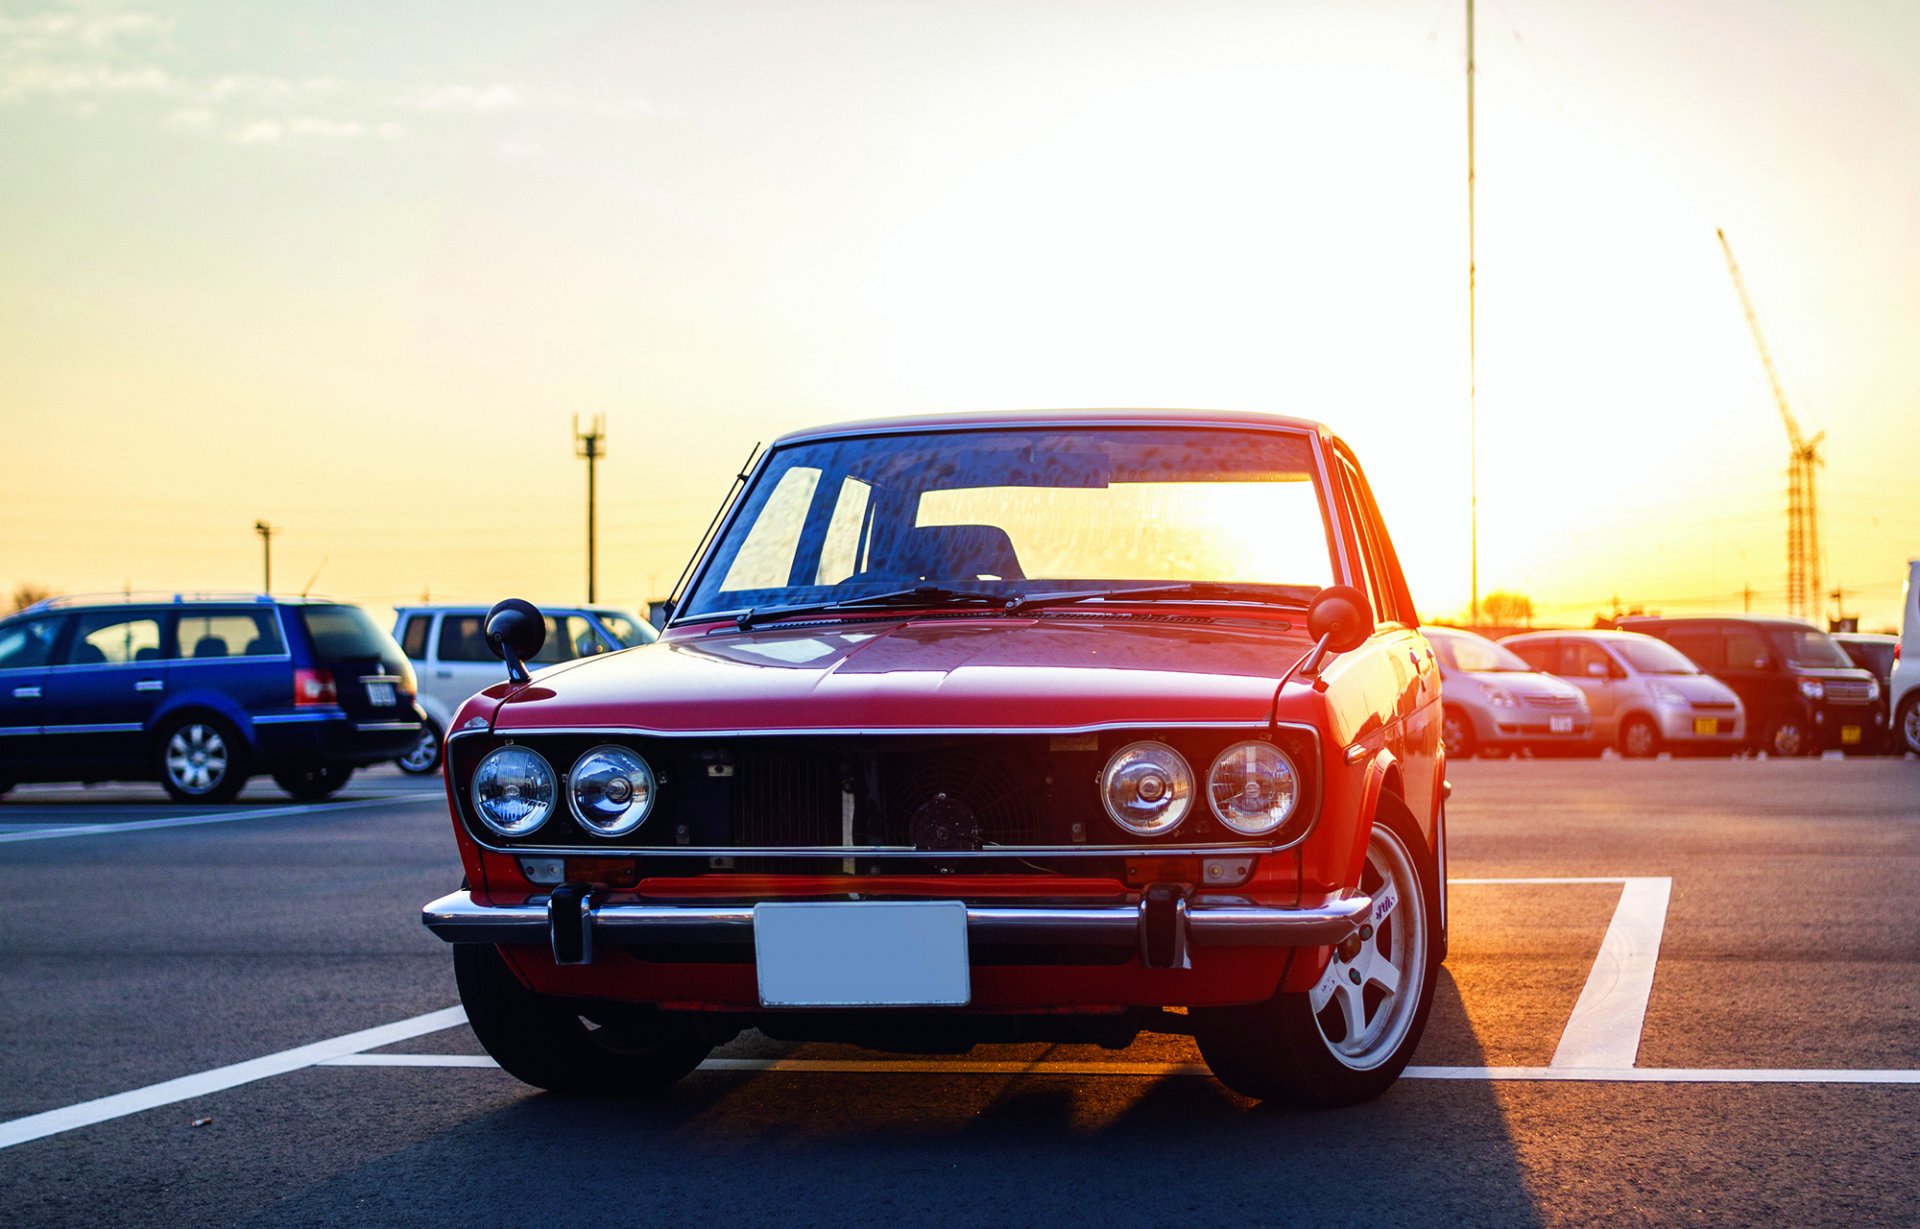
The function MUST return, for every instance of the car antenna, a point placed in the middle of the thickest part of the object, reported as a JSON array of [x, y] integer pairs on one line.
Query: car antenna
[[315, 576]]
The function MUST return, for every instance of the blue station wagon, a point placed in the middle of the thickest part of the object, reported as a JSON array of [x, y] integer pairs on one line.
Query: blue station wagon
[[201, 693]]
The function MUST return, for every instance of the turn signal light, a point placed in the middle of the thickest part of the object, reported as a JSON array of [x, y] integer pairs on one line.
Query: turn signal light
[[314, 687]]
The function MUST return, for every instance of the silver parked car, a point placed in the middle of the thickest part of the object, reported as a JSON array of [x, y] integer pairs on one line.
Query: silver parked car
[[447, 645], [1645, 694], [1494, 702]]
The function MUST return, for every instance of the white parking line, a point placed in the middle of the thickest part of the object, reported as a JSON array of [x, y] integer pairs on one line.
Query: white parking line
[[65, 831], [119, 1105], [810, 1066], [1604, 1030]]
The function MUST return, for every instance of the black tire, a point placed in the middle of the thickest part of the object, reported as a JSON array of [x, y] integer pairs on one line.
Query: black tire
[[1456, 734], [1639, 738], [544, 1041], [313, 784], [1788, 738], [1905, 735], [201, 759], [1281, 1051], [425, 755]]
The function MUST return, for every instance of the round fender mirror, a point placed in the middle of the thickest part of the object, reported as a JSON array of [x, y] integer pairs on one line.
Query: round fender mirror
[[1341, 614], [515, 632]]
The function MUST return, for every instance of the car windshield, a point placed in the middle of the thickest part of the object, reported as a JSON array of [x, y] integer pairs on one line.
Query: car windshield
[[344, 631], [624, 628], [1471, 654], [1810, 647], [1650, 656], [1019, 511]]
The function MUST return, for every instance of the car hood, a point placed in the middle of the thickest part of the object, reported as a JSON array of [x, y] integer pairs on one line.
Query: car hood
[[996, 672], [1526, 685], [1696, 688]]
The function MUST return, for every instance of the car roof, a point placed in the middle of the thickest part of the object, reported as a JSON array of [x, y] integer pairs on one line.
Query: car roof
[[108, 601], [978, 419], [1585, 633], [1630, 622], [483, 607]]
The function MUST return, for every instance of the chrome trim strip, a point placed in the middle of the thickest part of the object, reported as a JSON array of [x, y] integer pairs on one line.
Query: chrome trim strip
[[288, 718], [14, 731], [458, 919], [1254, 723], [104, 727], [386, 725]]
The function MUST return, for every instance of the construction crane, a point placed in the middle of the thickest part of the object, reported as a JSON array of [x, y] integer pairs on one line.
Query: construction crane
[[1803, 527]]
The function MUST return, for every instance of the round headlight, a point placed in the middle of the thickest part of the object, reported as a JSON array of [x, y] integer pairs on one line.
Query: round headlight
[[1147, 788], [611, 791], [513, 791], [1253, 787]]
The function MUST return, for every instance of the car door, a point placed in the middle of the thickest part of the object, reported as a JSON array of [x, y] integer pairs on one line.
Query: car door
[[462, 662], [1590, 668], [102, 692], [26, 648], [1757, 673]]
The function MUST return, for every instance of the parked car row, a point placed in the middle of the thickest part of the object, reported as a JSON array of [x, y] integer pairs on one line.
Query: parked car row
[[1701, 685]]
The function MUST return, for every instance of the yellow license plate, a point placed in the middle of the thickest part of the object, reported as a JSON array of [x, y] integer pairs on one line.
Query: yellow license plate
[[1706, 725], [1849, 735]]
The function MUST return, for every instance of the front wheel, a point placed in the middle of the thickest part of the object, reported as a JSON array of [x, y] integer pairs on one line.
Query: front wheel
[[564, 1046], [1639, 739], [1787, 737], [1906, 727], [1346, 1040], [313, 784], [424, 756], [201, 760]]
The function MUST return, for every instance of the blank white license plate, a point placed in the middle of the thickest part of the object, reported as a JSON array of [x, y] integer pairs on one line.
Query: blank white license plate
[[862, 954], [1560, 725], [380, 694]]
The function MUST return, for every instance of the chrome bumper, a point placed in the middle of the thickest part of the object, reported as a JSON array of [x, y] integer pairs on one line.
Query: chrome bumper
[[577, 927]]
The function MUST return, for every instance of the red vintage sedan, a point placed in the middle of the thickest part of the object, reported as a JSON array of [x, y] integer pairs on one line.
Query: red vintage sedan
[[989, 727]]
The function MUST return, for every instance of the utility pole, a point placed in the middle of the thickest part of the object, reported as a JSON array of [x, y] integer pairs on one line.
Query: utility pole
[[1473, 382], [590, 445], [266, 555]]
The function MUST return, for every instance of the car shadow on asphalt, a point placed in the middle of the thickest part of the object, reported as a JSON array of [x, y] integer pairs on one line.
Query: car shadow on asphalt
[[1025, 1149]]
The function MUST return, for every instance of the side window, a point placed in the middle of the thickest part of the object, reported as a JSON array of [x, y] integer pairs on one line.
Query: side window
[[413, 636], [1383, 563], [1747, 650], [1367, 530], [1350, 507], [227, 633], [1540, 654], [766, 558], [1586, 661], [464, 638], [844, 551], [28, 643], [1701, 645], [112, 638]]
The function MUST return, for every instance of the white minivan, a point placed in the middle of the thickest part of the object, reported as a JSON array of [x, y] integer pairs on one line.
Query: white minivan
[[447, 645], [1905, 682]]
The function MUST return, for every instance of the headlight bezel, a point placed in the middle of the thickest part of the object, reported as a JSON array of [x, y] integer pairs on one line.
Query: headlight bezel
[[1296, 792], [627, 825], [509, 830]]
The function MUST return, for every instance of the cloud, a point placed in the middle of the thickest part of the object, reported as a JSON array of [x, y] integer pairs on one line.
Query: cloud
[[73, 81], [307, 126], [191, 119], [474, 98], [259, 132]]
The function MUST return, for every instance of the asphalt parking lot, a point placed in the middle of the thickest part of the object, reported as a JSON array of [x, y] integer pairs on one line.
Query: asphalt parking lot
[[1680, 992]]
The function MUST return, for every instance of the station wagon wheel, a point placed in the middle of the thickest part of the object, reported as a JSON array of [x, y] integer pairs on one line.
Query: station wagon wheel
[[1639, 740], [1787, 737], [1348, 1038], [201, 759], [424, 756], [1456, 733]]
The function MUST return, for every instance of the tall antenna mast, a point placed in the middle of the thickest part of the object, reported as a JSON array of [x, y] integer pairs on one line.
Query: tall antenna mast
[[590, 445], [1473, 379]]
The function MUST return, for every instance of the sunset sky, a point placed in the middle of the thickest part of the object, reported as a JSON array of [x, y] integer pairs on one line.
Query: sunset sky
[[352, 267]]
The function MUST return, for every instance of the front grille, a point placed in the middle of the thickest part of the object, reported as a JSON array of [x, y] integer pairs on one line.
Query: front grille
[[1553, 701], [1847, 691]]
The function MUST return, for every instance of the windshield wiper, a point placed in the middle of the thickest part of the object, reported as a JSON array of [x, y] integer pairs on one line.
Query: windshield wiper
[[919, 595], [1206, 591]]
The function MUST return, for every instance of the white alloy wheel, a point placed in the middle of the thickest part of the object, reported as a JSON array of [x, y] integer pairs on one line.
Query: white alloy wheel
[[1368, 1000], [424, 756], [197, 758]]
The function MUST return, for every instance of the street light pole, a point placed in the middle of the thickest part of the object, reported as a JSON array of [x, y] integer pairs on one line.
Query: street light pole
[[1473, 383], [590, 445], [266, 555]]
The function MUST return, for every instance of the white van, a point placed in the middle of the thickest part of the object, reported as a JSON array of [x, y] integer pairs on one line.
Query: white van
[[1905, 683]]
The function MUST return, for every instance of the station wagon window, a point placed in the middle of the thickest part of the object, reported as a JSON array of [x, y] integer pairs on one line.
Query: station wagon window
[[228, 633], [113, 638], [28, 643], [344, 631], [1024, 509], [413, 637]]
